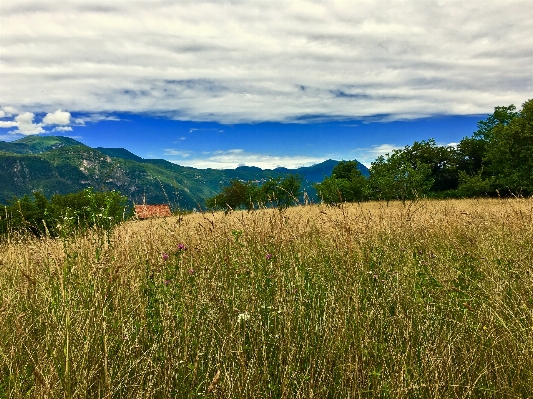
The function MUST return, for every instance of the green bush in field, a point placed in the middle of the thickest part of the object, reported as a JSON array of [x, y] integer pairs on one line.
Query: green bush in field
[[63, 213]]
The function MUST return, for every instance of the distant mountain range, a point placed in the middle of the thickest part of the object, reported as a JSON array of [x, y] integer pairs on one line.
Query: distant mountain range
[[61, 165]]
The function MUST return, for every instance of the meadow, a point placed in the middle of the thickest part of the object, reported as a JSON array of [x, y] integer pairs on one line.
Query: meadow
[[431, 299]]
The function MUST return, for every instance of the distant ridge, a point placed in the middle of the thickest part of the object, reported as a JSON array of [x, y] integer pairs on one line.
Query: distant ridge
[[120, 153], [60, 165]]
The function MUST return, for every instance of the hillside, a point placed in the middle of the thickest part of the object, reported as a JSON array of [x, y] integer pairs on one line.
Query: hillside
[[60, 165]]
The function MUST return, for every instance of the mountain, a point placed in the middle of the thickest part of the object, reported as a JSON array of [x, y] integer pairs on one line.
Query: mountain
[[37, 144], [60, 165]]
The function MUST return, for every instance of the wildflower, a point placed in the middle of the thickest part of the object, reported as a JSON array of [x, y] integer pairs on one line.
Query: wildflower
[[164, 256], [243, 317], [191, 271], [268, 256], [167, 282], [182, 247]]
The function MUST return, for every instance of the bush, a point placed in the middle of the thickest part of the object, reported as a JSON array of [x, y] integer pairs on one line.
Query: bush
[[63, 214]]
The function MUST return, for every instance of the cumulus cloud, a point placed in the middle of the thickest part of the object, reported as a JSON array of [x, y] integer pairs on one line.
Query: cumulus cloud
[[23, 121], [26, 126], [252, 61], [234, 158], [57, 118]]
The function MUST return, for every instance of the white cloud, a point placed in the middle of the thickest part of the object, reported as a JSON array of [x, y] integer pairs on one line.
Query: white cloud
[[26, 126], [368, 155], [243, 61], [93, 118], [9, 111], [231, 159], [57, 118], [6, 124], [24, 122], [180, 153]]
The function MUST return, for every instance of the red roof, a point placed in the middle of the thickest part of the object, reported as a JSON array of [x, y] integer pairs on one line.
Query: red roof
[[152, 211]]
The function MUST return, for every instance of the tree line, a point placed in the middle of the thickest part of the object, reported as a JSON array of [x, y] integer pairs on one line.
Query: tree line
[[63, 215], [496, 160]]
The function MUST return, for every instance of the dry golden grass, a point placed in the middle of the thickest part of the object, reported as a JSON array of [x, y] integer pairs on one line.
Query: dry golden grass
[[432, 299]]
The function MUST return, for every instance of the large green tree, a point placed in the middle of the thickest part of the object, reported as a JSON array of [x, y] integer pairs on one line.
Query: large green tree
[[395, 176], [346, 184], [509, 152], [236, 194]]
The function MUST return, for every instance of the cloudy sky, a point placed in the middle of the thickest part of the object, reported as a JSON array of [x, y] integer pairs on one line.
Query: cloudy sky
[[266, 83]]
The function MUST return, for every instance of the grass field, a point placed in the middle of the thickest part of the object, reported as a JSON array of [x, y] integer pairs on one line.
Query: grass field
[[429, 300]]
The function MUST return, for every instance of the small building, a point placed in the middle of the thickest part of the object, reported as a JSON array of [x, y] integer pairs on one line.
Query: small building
[[152, 211]]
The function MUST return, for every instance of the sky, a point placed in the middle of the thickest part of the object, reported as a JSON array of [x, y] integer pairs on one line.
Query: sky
[[260, 83]]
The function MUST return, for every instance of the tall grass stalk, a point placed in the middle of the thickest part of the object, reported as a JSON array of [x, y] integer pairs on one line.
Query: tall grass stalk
[[432, 300]]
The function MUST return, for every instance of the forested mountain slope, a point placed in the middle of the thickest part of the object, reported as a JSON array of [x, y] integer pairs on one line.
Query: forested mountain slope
[[60, 165]]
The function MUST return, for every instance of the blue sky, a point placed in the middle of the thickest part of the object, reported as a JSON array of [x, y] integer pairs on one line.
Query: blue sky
[[265, 83], [267, 144]]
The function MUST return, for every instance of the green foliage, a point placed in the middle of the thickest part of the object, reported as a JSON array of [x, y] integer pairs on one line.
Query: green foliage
[[442, 161], [471, 152], [63, 214], [277, 192], [509, 153], [473, 185], [346, 184], [286, 191], [396, 177], [236, 195], [502, 116]]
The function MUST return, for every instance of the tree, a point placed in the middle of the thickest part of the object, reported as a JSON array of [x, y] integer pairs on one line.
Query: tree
[[236, 195], [396, 177], [502, 116], [509, 151], [346, 184], [289, 189], [281, 193], [441, 160], [67, 213]]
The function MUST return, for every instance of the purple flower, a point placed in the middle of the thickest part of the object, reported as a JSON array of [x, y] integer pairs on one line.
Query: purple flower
[[182, 247], [269, 256], [164, 256], [191, 271], [167, 282]]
